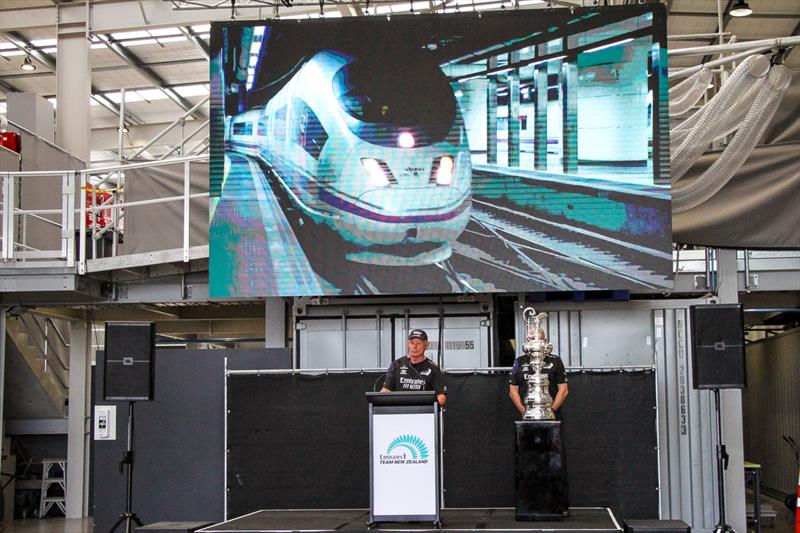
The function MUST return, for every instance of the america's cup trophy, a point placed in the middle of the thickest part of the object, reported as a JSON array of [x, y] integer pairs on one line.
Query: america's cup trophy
[[538, 402]]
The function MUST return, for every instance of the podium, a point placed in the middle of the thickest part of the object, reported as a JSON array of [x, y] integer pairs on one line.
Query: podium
[[540, 476], [404, 468]]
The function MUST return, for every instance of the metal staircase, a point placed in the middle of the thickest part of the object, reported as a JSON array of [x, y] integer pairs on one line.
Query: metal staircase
[[43, 344]]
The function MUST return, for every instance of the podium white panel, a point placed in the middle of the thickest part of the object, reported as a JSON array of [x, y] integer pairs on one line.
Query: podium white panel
[[404, 466]]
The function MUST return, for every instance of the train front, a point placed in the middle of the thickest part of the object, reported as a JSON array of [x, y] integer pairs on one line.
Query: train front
[[405, 185]]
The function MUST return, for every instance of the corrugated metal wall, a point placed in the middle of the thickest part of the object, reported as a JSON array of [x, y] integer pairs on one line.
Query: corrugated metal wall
[[771, 405]]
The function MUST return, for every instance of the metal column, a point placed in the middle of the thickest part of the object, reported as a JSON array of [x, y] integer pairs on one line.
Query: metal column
[[80, 364], [733, 431], [274, 323], [540, 118], [569, 110], [3, 310], [73, 91]]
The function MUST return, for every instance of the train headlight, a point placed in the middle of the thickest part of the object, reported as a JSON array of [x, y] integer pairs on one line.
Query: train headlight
[[406, 140], [444, 174], [377, 175]]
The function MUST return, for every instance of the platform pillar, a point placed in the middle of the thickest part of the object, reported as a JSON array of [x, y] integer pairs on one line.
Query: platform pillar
[[569, 110], [513, 112], [540, 118], [491, 115]]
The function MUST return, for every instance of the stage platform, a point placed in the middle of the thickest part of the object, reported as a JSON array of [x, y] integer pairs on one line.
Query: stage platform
[[453, 521]]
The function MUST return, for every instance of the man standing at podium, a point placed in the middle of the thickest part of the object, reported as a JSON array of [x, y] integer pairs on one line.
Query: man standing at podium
[[415, 372]]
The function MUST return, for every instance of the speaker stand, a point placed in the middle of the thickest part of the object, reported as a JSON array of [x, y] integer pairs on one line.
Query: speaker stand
[[127, 461], [722, 465]]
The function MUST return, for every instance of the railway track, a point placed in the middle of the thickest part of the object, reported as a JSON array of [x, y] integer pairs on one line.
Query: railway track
[[500, 250]]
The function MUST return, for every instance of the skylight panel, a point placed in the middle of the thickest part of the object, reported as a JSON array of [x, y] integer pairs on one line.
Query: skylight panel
[[192, 90], [152, 94], [121, 36], [164, 32]]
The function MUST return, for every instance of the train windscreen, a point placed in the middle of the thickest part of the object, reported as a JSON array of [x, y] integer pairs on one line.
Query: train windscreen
[[506, 151], [416, 97]]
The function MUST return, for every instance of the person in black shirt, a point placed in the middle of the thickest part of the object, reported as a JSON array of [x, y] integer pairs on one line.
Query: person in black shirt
[[415, 372], [557, 380]]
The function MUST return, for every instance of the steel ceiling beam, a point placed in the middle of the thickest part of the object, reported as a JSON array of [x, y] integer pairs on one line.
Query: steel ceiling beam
[[7, 87], [148, 73], [108, 68], [198, 42], [23, 44], [50, 62]]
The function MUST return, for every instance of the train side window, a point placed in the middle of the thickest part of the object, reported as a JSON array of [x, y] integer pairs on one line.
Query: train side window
[[312, 135], [242, 128], [279, 130]]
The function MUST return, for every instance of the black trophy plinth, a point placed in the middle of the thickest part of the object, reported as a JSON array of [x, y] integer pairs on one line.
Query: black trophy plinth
[[541, 481]]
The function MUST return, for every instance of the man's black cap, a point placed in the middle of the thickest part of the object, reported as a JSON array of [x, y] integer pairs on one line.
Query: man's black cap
[[418, 334]]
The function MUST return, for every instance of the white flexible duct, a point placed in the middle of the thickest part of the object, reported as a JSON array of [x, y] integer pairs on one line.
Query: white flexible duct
[[686, 94], [680, 90], [708, 126], [738, 150], [729, 121]]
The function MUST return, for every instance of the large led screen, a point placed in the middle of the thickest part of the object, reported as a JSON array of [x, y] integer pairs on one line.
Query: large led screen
[[510, 151]]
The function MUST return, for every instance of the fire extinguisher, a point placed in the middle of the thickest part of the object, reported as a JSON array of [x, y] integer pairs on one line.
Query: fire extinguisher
[[97, 219]]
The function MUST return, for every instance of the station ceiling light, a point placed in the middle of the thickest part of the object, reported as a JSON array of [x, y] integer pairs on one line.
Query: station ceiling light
[[740, 9], [27, 65]]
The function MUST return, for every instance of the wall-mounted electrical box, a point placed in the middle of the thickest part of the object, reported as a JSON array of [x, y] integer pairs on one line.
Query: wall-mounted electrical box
[[105, 422]]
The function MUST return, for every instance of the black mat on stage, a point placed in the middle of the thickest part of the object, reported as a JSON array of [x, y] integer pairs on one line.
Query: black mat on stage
[[454, 521]]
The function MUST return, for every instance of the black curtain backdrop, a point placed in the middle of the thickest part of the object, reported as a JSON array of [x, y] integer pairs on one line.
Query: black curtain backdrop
[[298, 441]]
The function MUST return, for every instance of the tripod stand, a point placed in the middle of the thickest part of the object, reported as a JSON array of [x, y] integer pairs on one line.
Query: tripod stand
[[127, 460], [722, 464]]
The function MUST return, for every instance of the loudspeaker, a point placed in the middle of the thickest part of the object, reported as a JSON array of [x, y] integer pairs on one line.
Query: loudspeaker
[[129, 367], [718, 346]]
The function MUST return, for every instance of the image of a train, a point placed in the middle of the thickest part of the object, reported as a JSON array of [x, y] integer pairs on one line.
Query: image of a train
[[373, 147]]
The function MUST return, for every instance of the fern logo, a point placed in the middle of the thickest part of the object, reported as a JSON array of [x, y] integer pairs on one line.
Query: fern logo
[[411, 444]]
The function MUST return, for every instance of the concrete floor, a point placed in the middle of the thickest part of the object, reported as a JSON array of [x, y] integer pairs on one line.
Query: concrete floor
[[49, 525]]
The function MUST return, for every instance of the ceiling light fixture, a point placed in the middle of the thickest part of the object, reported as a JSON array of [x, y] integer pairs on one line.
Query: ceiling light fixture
[[740, 9], [27, 65]]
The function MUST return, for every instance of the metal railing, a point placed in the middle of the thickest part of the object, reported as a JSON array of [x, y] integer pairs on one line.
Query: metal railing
[[13, 231], [91, 195], [115, 202]]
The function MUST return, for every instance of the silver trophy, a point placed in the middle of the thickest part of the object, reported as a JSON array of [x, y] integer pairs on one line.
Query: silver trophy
[[538, 402]]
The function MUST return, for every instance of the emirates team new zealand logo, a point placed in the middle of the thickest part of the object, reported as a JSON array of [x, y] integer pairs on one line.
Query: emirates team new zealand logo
[[405, 449]]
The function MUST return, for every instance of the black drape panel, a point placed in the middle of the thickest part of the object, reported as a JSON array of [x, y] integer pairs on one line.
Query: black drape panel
[[302, 442], [298, 442]]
